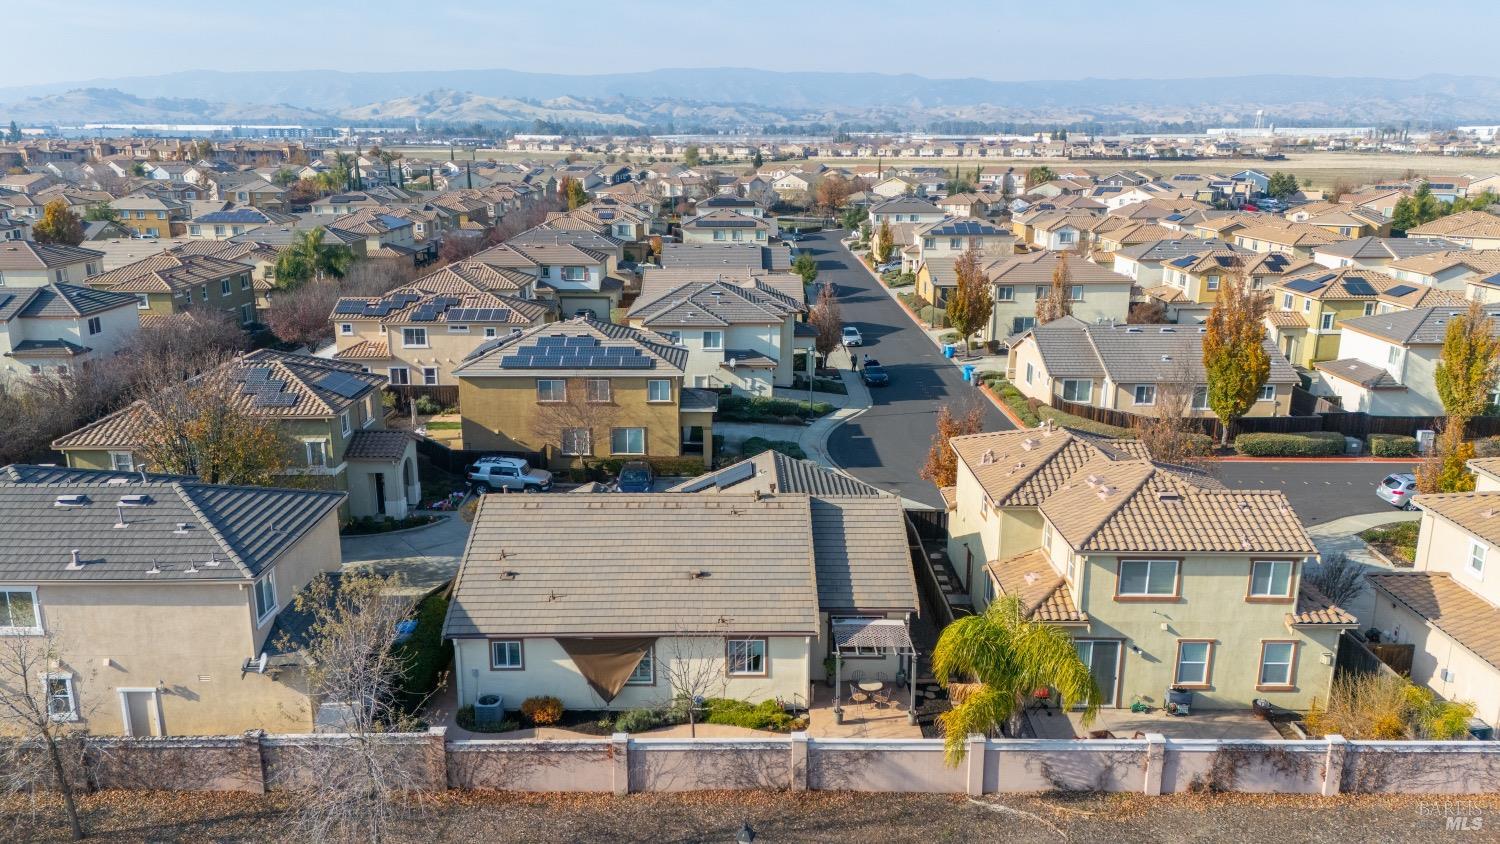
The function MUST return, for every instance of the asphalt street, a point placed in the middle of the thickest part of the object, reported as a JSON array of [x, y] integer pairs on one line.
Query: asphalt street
[[887, 444]]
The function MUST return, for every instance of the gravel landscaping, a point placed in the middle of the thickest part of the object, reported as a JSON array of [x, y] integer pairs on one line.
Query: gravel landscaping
[[813, 817]]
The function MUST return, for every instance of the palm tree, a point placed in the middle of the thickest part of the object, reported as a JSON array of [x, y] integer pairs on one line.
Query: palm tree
[[996, 662], [308, 257]]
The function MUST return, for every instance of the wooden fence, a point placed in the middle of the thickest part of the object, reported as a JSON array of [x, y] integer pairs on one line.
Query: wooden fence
[[444, 394], [457, 461]]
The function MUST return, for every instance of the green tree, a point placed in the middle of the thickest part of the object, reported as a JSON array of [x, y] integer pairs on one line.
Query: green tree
[[1234, 351], [970, 303], [1281, 185], [58, 225], [1446, 467], [993, 663], [309, 257], [14, 134], [1466, 371], [806, 266], [882, 247], [100, 212], [575, 193], [1412, 211], [1039, 176], [691, 157], [756, 159]]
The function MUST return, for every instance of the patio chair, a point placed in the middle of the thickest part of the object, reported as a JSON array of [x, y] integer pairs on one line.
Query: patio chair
[[858, 695]]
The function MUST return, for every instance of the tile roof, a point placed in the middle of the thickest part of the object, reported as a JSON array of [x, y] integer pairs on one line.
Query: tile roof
[[301, 376], [698, 400], [619, 564], [1313, 607], [1416, 327], [486, 360], [60, 300], [1388, 248], [1037, 267], [1476, 512], [1132, 354], [365, 350], [1021, 468], [29, 255], [1464, 224], [1358, 372], [383, 446], [232, 532], [713, 303], [167, 272], [1447, 606], [1319, 282], [47, 349], [771, 471], [1043, 593]]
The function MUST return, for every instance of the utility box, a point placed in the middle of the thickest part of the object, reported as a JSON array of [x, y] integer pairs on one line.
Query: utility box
[[1425, 439]]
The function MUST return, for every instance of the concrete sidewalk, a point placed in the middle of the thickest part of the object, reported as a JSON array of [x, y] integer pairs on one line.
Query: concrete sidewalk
[[1341, 536], [424, 557], [812, 438]]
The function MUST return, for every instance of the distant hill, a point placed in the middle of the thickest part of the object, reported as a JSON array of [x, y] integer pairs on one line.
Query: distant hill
[[735, 96], [87, 105]]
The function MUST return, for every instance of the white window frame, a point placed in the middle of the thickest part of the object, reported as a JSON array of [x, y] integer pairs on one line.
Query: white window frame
[[458, 329], [557, 386], [1136, 395], [429, 376], [344, 425], [409, 333], [1197, 391], [655, 384], [226, 287], [1267, 393], [346, 329], [593, 395], [626, 430], [1005, 293], [1206, 662], [490, 332], [1482, 551], [321, 451], [36, 612], [122, 461], [1255, 567], [266, 582], [48, 677], [1150, 566], [1290, 663], [1029, 372], [1088, 392], [404, 380], [644, 678], [1075, 293], [1325, 323], [142, 302], [739, 664], [718, 342], [95, 326], [1286, 301], [518, 664]]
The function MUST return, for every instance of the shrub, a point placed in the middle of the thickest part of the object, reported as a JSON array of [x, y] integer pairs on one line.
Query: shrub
[[465, 718], [762, 409], [424, 655], [1019, 404], [755, 445], [542, 711], [1387, 707], [428, 406], [766, 715], [638, 721], [1487, 447], [1078, 423], [1314, 444], [669, 467], [1392, 445]]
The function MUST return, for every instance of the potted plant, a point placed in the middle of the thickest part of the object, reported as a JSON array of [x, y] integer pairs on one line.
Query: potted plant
[[829, 665]]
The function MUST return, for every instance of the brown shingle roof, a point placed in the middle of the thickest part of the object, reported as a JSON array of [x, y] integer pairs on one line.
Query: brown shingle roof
[[1043, 592], [1445, 605]]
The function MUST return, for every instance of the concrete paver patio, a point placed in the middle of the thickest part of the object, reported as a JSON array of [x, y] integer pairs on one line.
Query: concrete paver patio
[[1214, 724]]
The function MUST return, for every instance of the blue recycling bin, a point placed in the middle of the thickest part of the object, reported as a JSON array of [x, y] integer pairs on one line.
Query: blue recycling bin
[[949, 350], [969, 372]]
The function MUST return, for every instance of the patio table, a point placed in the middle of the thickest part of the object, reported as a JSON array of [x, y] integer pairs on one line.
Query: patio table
[[871, 686]]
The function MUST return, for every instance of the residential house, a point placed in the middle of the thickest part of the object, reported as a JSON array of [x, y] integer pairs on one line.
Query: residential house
[[1446, 606], [57, 327], [168, 283], [231, 221], [1351, 222], [244, 188], [1295, 239], [581, 389], [1308, 304], [417, 333], [150, 215], [1057, 231], [1387, 362], [163, 594], [1191, 283], [26, 263], [1095, 293], [1377, 252], [727, 256], [940, 244], [904, 209], [964, 205], [1468, 229], [1459, 270], [726, 226], [1163, 578], [1145, 262], [773, 582], [741, 330], [330, 409], [579, 279]]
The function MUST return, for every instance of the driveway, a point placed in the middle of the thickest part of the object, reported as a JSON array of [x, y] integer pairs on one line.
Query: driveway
[[887, 444], [1319, 490], [425, 557]]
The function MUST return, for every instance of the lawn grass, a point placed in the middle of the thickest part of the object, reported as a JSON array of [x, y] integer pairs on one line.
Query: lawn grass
[[1397, 540], [445, 426]]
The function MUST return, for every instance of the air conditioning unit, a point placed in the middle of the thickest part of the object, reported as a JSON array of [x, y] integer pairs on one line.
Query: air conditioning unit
[[1425, 438]]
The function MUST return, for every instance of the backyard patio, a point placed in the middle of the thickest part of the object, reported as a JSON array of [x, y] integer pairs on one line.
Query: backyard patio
[[1201, 724]]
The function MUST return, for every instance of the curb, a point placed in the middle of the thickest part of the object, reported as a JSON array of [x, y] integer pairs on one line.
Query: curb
[[834, 426], [1004, 407], [1239, 459]]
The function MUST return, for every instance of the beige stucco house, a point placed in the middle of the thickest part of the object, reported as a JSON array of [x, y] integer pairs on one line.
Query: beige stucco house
[[162, 595], [1095, 293], [25, 263], [1164, 578], [58, 327]]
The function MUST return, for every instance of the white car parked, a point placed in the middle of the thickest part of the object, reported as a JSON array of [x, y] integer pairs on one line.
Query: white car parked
[[852, 336]]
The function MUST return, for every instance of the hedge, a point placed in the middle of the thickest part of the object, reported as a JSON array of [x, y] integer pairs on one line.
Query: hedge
[[1392, 445], [766, 715], [755, 445], [762, 409], [670, 467], [1315, 444]]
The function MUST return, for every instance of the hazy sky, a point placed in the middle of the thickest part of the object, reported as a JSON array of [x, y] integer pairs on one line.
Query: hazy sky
[[87, 39]]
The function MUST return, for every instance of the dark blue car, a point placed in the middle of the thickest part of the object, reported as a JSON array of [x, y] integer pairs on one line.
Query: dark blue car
[[875, 374], [635, 476]]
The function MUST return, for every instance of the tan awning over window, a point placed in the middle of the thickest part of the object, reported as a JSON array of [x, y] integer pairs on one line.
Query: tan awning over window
[[606, 663]]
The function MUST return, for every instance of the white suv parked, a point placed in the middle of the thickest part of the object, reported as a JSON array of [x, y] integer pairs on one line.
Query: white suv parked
[[489, 474]]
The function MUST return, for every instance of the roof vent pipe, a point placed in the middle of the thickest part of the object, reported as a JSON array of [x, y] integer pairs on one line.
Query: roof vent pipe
[[75, 562]]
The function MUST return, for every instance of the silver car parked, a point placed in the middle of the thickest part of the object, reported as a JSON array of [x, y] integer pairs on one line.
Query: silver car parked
[[1397, 490]]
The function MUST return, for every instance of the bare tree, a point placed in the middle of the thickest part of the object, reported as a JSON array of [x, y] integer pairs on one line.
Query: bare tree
[[694, 672], [827, 320], [572, 421], [358, 783], [1339, 578], [301, 315], [38, 709], [1056, 304], [1170, 432]]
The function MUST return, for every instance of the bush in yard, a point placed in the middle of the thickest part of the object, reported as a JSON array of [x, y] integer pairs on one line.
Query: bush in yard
[[755, 445], [762, 409], [638, 721], [1392, 445], [542, 711], [766, 715], [1313, 444], [428, 406]]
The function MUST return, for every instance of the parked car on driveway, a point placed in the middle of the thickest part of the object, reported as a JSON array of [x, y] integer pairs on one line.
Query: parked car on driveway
[[888, 266], [489, 474], [1397, 490], [635, 476], [874, 374], [852, 337]]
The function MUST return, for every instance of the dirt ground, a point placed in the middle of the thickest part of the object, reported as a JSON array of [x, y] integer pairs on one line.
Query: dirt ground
[[838, 817]]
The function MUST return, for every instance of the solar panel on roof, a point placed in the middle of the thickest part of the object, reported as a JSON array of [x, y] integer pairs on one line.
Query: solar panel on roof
[[341, 384], [1359, 287], [275, 400], [1304, 285], [1324, 279], [1401, 290], [1184, 261], [1224, 260], [350, 308], [734, 474]]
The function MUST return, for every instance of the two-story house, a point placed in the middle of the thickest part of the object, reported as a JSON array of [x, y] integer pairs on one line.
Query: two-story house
[[1095, 293], [724, 225], [162, 594], [169, 283], [416, 334], [151, 214], [328, 411], [1308, 304], [1387, 362], [25, 263], [1448, 606], [581, 389], [57, 327], [1467, 229], [1163, 578], [942, 242], [1129, 368], [740, 329], [578, 279], [231, 221], [1295, 239], [1191, 283]]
